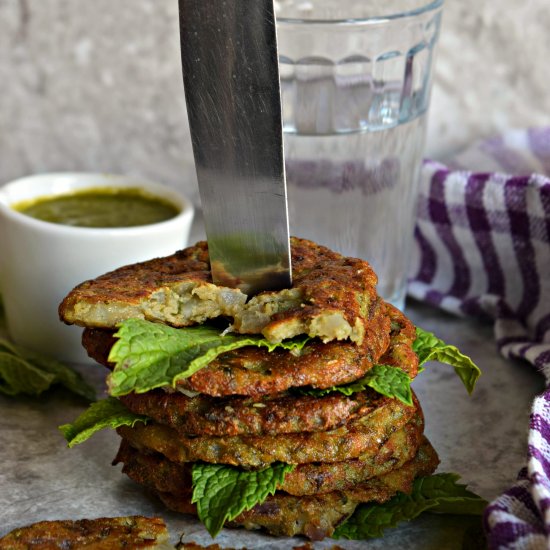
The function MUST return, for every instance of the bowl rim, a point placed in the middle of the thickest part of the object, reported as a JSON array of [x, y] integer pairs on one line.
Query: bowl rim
[[65, 182]]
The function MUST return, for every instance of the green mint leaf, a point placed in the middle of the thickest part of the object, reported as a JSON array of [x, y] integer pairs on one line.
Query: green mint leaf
[[151, 355], [391, 382], [439, 493], [384, 379], [18, 376], [107, 413], [23, 371], [430, 348], [222, 492]]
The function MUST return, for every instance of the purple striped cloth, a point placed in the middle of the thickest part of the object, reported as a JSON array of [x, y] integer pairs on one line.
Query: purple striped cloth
[[483, 249]]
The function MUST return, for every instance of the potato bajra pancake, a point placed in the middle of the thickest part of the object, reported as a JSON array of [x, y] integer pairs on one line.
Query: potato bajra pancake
[[316, 516], [120, 532], [267, 415], [331, 297], [255, 371], [159, 473], [323, 477], [399, 479], [362, 436], [176, 290]]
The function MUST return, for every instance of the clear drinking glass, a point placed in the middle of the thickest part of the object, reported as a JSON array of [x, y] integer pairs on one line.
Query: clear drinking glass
[[355, 80]]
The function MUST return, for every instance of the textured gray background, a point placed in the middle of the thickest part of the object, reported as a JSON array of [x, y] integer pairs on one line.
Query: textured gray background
[[96, 84]]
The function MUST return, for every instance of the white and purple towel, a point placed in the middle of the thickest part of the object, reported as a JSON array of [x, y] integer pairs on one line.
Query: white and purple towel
[[483, 249]]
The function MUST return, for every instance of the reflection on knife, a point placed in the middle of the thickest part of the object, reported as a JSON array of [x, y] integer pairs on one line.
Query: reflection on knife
[[231, 78]]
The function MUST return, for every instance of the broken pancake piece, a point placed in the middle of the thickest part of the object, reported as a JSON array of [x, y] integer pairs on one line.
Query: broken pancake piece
[[136, 532], [331, 297]]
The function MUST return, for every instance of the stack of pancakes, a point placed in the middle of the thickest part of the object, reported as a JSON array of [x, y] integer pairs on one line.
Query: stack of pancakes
[[251, 408]]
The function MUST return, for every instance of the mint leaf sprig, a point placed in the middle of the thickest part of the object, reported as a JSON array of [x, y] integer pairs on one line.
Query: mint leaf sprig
[[438, 493], [392, 382], [107, 413], [23, 371], [429, 347], [151, 355], [384, 379], [222, 492]]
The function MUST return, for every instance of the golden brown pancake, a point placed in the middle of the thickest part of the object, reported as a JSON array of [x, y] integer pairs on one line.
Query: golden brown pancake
[[256, 372], [362, 436], [321, 477], [316, 516], [136, 532], [154, 470], [266, 415], [331, 297]]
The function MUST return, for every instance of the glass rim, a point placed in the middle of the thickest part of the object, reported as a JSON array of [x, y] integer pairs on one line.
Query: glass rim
[[431, 5]]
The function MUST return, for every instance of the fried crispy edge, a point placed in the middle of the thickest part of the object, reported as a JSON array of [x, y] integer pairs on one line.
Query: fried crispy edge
[[362, 436], [264, 415], [120, 532]]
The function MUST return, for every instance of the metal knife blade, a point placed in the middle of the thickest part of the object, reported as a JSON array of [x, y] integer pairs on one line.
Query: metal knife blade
[[232, 91]]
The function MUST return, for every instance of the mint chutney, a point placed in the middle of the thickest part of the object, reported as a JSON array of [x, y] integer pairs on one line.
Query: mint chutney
[[100, 207]]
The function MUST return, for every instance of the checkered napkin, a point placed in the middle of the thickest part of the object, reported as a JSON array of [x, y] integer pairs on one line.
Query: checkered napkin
[[483, 249]]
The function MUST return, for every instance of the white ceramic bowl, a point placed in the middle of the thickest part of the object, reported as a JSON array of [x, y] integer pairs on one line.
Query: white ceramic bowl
[[40, 262]]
